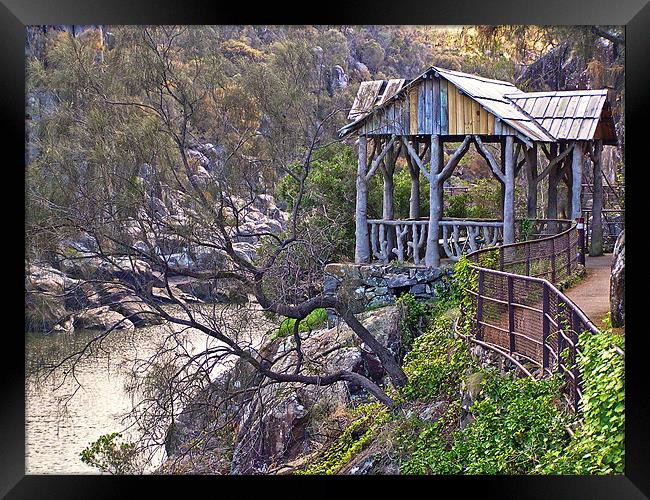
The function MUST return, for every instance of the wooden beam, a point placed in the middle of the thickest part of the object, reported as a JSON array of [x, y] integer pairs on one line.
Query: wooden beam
[[596, 247], [416, 157], [455, 158], [377, 160], [432, 255], [554, 161], [509, 201], [576, 167], [490, 158]]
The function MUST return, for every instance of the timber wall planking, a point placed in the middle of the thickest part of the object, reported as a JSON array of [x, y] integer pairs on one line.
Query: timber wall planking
[[434, 106]]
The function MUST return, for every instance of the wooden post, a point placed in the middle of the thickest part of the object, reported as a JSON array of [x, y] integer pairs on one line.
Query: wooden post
[[553, 267], [509, 201], [551, 207], [596, 247], [581, 240], [531, 177], [362, 244], [388, 204], [432, 256], [414, 201], [576, 168], [568, 180], [479, 305]]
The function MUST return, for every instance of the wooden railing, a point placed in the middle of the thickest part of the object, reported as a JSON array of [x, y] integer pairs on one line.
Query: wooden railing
[[407, 239], [523, 316]]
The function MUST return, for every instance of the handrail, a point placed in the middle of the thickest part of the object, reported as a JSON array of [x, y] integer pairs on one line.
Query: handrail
[[502, 294]]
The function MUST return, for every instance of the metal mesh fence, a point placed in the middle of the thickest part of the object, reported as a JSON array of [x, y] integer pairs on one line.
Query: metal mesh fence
[[519, 311]]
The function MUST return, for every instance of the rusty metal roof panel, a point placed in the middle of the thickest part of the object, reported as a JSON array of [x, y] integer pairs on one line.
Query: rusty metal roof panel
[[392, 88], [365, 98]]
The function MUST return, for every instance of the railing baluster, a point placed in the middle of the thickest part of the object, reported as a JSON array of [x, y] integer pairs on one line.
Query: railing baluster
[[546, 328], [479, 305], [511, 315], [553, 260]]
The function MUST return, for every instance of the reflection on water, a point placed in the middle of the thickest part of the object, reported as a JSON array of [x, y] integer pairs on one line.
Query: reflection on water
[[57, 431]]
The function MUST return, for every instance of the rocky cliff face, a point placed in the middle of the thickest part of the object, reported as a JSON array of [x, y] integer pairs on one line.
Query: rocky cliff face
[[73, 287], [277, 423], [617, 283]]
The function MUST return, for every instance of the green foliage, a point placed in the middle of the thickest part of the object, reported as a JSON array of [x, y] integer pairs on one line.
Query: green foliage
[[367, 419], [412, 317], [598, 446], [526, 227], [464, 279], [458, 206], [313, 320], [516, 422], [436, 361], [330, 194], [108, 455], [485, 196]]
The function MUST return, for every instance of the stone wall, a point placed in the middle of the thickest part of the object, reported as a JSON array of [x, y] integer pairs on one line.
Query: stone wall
[[373, 285]]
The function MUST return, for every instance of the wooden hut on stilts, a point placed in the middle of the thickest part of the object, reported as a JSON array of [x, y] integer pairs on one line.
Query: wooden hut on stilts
[[545, 134]]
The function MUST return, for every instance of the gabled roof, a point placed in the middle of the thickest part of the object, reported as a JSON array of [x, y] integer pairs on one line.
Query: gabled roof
[[491, 95], [538, 116], [568, 114]]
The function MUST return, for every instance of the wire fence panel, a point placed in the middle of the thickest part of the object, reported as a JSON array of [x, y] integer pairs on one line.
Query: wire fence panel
[[518, 309]]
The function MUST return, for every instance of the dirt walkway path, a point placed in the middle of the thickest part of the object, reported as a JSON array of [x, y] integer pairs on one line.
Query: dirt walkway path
[[592, 294]]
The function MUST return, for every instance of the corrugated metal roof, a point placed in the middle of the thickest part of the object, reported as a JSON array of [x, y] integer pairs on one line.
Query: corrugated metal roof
[[568, 114], [540, 116]]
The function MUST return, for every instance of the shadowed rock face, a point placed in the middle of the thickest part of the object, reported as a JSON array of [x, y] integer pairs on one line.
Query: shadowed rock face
[[280, 422], [617, 283]]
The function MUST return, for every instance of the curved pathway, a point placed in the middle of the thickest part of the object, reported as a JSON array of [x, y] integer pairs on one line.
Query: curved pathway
[[592, 293]]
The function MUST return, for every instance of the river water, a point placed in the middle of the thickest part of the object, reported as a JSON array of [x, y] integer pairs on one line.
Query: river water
[[59, 427]]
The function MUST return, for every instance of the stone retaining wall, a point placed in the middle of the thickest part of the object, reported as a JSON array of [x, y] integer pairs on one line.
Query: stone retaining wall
[[373, 285]]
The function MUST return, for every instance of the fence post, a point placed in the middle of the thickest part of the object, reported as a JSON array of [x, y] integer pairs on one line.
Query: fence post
[[527, 259], [553, 260], [479, 305], [568, 252], [576, 373], [561, 308], [546, 328], [581, 239], [511, 314], [501, 257]]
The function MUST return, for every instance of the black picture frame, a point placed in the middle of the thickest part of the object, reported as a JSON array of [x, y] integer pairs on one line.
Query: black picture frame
[[634, 14]]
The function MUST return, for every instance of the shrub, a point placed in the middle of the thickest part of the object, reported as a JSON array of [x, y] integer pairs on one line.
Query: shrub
[[516, 422], [436, 361], [313, 320], [367, 419], [112, 457], [598, 446]]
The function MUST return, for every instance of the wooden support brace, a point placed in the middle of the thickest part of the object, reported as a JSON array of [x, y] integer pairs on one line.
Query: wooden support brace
[[416, 157]]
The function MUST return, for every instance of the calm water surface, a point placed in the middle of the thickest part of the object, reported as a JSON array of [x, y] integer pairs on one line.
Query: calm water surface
[[56, 433]]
